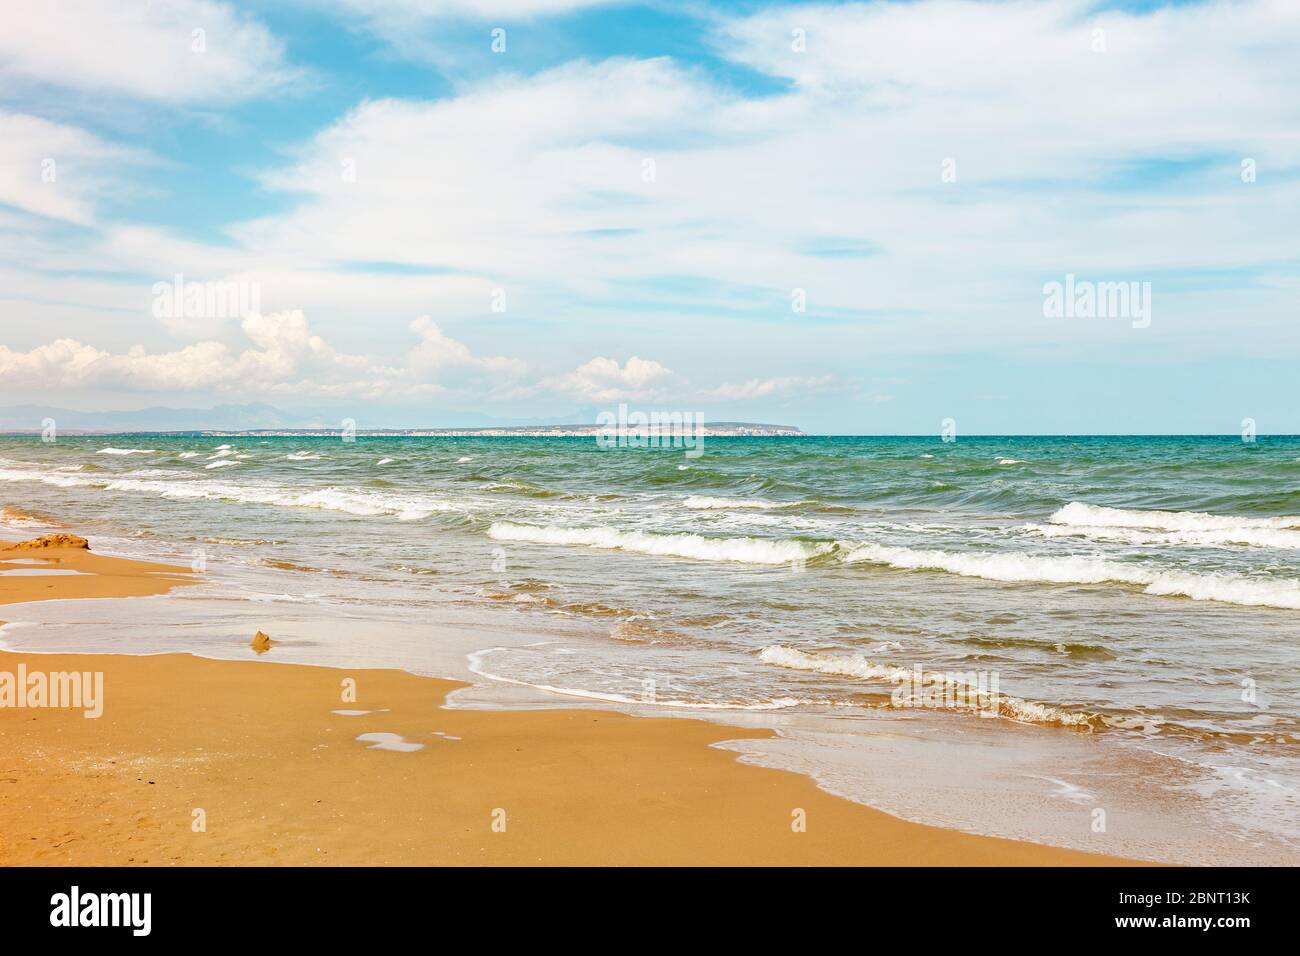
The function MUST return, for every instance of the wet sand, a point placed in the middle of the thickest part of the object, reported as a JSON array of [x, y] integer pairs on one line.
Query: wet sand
[[198, 761]]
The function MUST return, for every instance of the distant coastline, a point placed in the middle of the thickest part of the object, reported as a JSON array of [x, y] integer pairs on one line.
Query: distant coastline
[[708, 430]]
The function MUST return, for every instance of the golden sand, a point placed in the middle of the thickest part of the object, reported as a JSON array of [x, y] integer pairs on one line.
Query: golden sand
[[246, 762]]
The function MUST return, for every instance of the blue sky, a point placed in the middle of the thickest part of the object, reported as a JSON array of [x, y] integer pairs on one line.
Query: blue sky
[[840, 216]]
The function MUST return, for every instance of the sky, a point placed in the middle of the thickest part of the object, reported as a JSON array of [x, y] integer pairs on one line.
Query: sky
[[845, 217]]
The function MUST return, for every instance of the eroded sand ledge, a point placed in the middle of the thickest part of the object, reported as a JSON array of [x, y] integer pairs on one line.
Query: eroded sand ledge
[[281, 779]]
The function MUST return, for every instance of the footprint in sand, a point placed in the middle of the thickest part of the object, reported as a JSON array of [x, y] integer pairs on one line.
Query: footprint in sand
[[396, 742]]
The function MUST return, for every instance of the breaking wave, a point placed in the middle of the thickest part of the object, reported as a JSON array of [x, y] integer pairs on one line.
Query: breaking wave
[[942, 686], [1080, 514], [743, 550], [361, 503], [1075, 569], [705, 503]]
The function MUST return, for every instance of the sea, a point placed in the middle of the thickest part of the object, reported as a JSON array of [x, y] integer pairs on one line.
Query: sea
[[1090, 642]]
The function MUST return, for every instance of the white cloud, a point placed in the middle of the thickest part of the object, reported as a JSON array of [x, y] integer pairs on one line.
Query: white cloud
[[439, 353], [604, 380], [143, 49], [285, 357], [512, 174], [1122, 164], [757, 388], [59, 171], [538, 185]]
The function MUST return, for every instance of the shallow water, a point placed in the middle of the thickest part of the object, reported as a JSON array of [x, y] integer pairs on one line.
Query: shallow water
[[1127, 602]]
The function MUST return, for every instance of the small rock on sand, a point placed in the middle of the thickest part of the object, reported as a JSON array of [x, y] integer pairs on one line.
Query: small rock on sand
[[51, 541], [261, 643]]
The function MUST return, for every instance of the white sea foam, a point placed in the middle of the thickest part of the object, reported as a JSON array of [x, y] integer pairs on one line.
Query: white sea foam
[[188, 454], [350, 501], [1011, 461], [1241, 535], [476, 667], [1096, 516], [839, 665], [221, 464], [705, 503], [855, 665], [304, 456], [1076, 569], [384, 461], [125, 451], [744, 550]]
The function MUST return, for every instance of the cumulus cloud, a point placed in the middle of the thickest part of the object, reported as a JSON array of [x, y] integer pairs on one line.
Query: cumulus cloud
[[143, 49], [604, 380], [284, 357], [438, 352]]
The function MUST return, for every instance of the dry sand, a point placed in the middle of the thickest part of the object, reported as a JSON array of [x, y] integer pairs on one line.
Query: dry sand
[[254, 751]]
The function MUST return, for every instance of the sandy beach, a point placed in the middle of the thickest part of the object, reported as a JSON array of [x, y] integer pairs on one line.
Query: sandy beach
[[198, 762]]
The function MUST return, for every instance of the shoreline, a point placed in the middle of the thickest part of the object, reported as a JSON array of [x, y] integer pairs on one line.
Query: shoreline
[[261, 757]]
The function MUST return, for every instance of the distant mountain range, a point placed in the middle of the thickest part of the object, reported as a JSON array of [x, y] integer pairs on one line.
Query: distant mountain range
[[260, 417]]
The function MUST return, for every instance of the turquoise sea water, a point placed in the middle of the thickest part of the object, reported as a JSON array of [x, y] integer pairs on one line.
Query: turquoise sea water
[[1141, 594]]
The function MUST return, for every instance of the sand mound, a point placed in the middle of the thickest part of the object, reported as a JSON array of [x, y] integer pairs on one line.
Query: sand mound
[[51, 541], [261, 643]]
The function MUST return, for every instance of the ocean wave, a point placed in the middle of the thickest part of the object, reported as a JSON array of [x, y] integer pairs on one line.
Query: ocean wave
[[743, 550], [348, 501], [22, 519], [125, 451], [1076, 569], [838, 665], [1242, 535], [221, 464], [1097, 516], [524, 488], [975, 699], [304, 456], [705, 503]]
